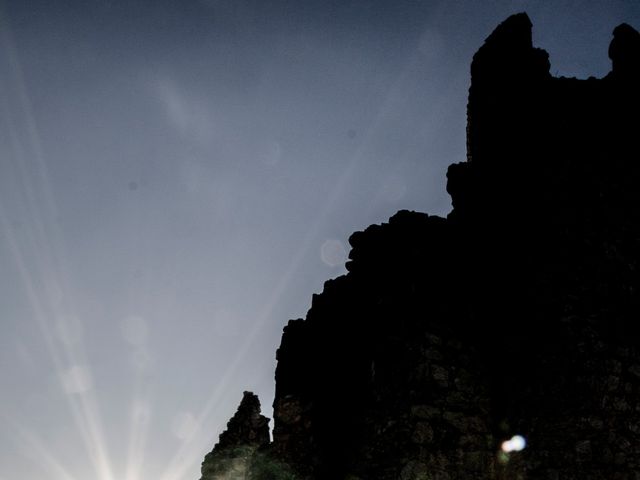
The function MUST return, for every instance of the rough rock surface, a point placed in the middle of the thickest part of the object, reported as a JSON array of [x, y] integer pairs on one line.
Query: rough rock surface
[[517, 314], [246, 433]]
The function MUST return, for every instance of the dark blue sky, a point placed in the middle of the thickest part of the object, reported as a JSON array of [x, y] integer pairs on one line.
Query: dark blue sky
[[176, 180]]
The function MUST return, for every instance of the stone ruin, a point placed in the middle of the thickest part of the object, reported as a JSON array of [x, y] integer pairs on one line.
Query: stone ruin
[[517, 314]]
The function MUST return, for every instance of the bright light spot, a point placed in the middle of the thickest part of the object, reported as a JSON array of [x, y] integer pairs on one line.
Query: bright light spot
[[515, 444], [77, 380], [184, 425], [333, 253]]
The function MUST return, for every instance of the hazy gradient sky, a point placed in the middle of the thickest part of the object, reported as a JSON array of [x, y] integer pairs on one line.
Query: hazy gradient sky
[[178, 177]]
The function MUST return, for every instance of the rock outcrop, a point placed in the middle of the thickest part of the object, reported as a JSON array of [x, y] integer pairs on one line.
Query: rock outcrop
[[247, 432], [517, 314]]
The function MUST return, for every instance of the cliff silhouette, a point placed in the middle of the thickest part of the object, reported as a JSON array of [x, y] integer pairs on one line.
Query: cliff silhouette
[[517, 314]]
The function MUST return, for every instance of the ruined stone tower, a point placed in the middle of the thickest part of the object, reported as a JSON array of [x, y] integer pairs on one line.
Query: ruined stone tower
[[517, 314]]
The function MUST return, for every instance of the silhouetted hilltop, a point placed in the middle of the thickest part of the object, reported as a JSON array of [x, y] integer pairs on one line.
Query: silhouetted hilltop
[[517, 314]]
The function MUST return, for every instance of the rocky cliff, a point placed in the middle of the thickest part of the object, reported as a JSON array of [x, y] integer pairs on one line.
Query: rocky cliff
[[517, 314]]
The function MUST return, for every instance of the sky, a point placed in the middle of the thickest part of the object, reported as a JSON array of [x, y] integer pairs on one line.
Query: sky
[[177, 178]]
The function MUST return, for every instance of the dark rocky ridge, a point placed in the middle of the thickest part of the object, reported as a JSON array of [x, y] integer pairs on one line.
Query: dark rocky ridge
[[519, 313]]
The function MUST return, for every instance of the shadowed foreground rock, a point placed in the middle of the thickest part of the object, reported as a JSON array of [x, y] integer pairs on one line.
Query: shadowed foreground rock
[[246, 433], [517, 314]]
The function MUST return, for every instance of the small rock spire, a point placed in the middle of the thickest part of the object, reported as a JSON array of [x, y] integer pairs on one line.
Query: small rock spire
[[246, 433], [247, 426], [624, 50]]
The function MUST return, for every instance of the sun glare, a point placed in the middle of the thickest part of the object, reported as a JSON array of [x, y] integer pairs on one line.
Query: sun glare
[[514, 444]]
